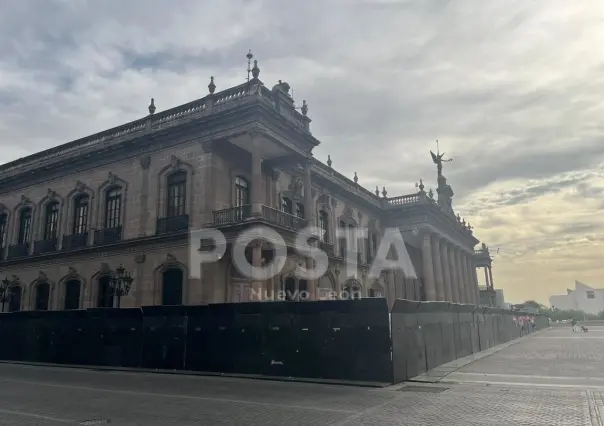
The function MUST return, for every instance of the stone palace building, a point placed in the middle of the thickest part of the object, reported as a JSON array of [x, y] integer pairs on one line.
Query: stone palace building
[[71, 215]]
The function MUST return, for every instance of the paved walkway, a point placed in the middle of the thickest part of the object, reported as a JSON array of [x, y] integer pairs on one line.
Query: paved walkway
[[553, 378]]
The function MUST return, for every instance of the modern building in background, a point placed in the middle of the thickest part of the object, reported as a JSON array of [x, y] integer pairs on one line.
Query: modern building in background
[[234, 159], [583, 298]]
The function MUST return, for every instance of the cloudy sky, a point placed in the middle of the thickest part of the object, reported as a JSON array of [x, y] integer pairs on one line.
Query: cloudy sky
[[513, 90]]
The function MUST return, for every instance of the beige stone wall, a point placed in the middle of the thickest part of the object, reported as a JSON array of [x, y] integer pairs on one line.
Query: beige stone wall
[[211, 177]]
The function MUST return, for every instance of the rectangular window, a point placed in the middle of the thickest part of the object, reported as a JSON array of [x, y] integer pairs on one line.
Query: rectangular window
[[113, 209], [52, 221], [591, 295], [80, 216]]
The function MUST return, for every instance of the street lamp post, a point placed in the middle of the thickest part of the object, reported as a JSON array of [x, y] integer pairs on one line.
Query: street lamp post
[[4, 292], [121, 282]]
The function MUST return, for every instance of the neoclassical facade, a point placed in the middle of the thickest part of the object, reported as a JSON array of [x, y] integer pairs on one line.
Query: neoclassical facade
[[237, 158]]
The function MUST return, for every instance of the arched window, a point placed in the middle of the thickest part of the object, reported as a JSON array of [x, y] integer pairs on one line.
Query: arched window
[[42, 296], [242, 192], [172, 286], [113, 208], [51, 221], [24, 226], [286, 205], [72, 294], [80, 215], [324, 225], [105, 294], [326, 288], [300, 210], [176, 193], [3, 229], [14, 301]]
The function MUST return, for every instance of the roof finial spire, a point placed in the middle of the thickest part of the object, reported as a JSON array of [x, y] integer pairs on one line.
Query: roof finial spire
[[249, 57], [212, 86], [152, 107]]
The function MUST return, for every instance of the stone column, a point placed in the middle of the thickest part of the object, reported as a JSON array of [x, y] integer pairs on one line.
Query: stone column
[[257, 286], [438, 270], [486, 277], [453, 274], [466, 277], [309, 213], [471, 292], [391, 289], [491, 277], [139, 290], [144, 195], [475, 278], [460, 281], [444, 257], [428, 268], [256, 174]]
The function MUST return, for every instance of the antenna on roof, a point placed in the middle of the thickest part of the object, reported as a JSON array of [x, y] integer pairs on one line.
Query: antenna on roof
[[249, 57]]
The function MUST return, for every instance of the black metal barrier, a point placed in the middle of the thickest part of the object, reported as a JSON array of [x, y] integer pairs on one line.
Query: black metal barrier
[[341, 340], [353, 340], [426, 335]]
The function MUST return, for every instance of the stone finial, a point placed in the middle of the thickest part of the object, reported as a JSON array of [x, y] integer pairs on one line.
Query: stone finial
[[329, 160], [463, 222], [421, 186], [356, 178], [384, 193], [431, 194], [212, 86], [377, 191], [304, 108], [255, 70], [152, 107], [458, 218]]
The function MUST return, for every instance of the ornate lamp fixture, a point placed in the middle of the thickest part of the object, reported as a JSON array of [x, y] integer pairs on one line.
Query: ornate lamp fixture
[[4, 292], [121, 282]]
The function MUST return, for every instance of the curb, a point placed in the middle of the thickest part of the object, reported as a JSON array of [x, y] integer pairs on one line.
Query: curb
[[203, 374], [437, 374]]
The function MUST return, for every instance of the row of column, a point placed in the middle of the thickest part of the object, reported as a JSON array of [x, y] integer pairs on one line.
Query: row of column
[[257, 200], [449, 272]]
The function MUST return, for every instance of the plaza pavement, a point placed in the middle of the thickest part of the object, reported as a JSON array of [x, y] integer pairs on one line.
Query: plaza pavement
[[552, 378]]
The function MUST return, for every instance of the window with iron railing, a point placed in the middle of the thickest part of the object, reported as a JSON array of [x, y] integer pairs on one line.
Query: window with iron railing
[[177, 183], [80, 215], [324, 225], [242, 192], [113, 208], [51, 221], [25, 219]]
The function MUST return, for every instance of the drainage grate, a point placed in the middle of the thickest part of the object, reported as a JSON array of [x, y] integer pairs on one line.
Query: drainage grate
[[95, 422], [422, 389]]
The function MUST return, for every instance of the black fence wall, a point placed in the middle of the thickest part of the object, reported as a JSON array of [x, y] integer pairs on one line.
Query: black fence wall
[[426, 335], [352, 340], [340, 340]]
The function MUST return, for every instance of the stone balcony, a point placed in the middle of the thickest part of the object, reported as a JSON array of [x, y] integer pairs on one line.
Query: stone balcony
[[243, 214]]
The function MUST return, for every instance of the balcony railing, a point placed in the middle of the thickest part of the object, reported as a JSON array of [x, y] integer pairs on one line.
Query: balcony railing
[[232, 215], [74, 241], [45, 246], [108, 236], [278, 217], [169, 225], [273, 216], [18, 250]]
